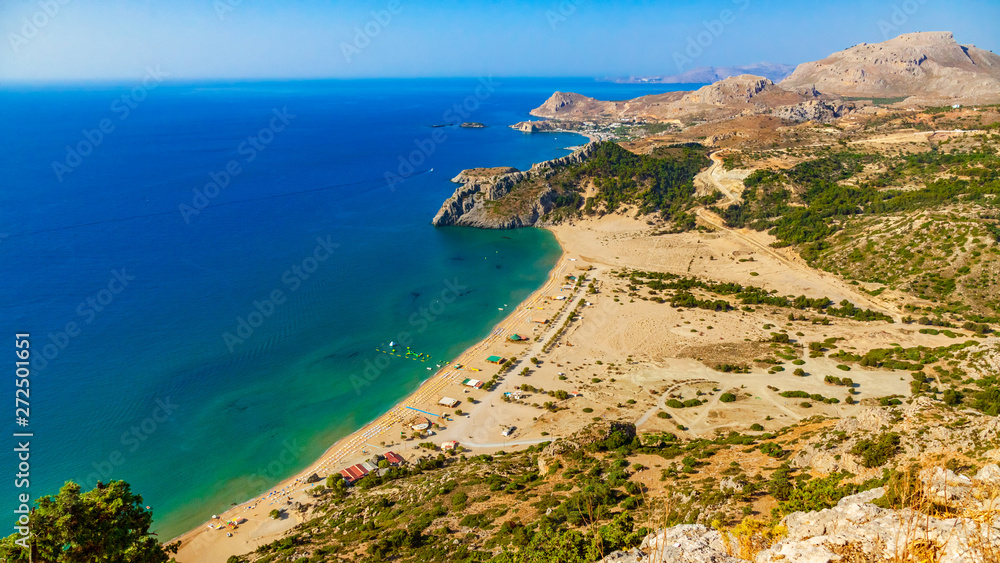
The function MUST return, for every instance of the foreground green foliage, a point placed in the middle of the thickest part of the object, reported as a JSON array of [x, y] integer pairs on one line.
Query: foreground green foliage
[[107, 524]]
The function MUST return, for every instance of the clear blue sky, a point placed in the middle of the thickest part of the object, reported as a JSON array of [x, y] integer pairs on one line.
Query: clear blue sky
[[234, 39]]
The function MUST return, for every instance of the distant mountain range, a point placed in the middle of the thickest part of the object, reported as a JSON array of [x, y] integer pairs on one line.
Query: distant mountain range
[[708, 74], [925, 68]]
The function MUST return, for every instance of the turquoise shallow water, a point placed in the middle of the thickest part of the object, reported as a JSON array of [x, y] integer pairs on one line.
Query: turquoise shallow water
[[204, 357]]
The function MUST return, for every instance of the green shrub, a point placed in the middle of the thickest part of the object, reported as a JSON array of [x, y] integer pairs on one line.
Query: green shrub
[[875, 453]]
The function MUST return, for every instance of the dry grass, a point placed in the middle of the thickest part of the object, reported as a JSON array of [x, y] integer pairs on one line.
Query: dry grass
[[750, 537], [973, 532]]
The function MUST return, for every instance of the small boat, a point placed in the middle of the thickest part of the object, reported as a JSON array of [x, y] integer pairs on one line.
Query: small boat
[[392, 344]]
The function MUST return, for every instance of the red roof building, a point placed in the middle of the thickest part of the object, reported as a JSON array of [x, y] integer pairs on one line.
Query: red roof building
[[354, 472]]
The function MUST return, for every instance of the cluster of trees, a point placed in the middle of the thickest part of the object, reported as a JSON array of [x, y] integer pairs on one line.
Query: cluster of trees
[[978, 328], [675, 404], [987, 399], [687, 300], [875, 452], [824, 202], [834, 380], [899, 358], [813, 396], [107, 523], [664, 185], [747, 295]]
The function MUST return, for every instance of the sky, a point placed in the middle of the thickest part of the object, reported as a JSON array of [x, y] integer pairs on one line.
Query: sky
[[102, 40]]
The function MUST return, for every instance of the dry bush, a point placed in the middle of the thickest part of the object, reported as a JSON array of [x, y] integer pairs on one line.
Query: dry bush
[[913, 542], [751, 536]]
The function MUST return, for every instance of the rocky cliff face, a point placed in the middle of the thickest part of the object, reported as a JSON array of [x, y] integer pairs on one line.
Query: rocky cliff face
[[928, 65], [857, 530], [468, 205], [935, 440], [735, 90], [820, 111]]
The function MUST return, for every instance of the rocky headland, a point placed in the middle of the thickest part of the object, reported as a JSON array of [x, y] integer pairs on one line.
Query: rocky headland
[[470, 204]]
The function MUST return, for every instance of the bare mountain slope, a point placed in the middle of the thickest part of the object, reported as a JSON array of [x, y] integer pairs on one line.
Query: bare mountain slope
[[723, 99], [926, 65]]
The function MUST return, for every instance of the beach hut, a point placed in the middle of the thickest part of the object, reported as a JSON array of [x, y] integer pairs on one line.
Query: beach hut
[[541, 321], [516, 337], [474, 383], [495, 360], [447, 446], [448, 402]]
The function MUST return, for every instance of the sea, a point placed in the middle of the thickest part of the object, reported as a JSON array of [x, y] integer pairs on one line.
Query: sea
[[207, 272]]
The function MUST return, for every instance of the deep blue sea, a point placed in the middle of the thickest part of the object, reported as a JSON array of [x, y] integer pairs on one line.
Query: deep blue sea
[[203, 267]]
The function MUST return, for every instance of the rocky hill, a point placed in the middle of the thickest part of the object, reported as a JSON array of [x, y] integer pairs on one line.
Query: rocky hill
[[725, 98], [928, 68], [599, 178], [469, 205], [926, 65]]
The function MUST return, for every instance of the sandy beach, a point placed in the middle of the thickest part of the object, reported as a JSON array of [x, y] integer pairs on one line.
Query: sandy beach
[[621, 358], [210, 542]]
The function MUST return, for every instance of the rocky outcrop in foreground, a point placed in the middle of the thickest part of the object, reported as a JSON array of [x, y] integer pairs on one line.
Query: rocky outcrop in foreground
[[467, 206], [857, 530]]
